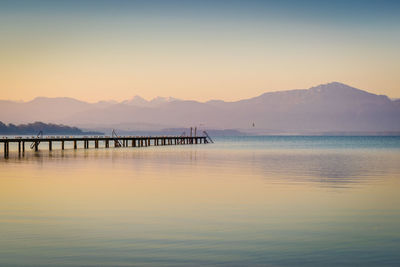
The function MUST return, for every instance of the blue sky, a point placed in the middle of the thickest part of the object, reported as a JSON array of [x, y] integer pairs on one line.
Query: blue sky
[[197, 49]]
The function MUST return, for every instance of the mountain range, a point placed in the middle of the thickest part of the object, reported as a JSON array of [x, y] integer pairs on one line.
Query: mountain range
[[332, 107]]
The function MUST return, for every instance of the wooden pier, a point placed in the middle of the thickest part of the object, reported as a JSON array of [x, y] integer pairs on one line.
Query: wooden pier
[[93, 141]]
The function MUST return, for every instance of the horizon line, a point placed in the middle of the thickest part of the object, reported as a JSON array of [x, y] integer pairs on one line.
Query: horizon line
[[179, 99]]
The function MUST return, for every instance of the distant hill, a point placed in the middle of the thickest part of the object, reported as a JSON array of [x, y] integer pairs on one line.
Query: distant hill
[[141, 102], [212, 132], [47, 129], [332, 107]]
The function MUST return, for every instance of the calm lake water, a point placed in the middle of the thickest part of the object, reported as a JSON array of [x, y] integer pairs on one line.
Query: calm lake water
[[280, 201]]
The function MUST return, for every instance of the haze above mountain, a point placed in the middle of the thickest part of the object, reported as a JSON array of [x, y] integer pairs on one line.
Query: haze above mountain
[[324, 108]]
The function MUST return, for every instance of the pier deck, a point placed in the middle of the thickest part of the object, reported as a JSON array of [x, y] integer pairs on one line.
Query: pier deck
[[119, 141]]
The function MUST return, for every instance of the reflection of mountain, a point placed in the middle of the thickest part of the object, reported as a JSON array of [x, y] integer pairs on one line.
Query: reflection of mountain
[[329, 107], [327, 169]]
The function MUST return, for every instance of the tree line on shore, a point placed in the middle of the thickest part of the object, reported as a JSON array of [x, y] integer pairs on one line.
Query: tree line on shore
[[46, 128]]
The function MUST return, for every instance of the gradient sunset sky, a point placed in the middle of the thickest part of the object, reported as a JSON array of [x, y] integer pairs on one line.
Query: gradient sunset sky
[[102, 50]]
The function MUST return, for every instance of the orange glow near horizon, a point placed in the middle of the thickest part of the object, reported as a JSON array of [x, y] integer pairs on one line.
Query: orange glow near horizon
[[88, 80]]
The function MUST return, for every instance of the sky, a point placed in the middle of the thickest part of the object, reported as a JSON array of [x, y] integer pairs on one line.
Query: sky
[[200, 50]]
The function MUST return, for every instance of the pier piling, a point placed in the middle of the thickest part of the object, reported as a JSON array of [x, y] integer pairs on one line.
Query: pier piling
[[119, 141]]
